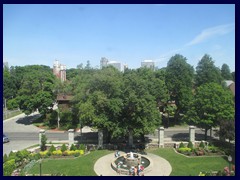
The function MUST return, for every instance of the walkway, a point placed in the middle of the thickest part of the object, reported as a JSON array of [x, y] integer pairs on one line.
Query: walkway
[[161, 167]]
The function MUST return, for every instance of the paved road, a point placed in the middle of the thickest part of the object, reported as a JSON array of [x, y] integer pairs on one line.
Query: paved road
[[23, 134], [18, 127]]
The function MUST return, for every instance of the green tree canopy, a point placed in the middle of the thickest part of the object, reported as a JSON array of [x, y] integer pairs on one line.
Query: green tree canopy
[[36, 90], [212, 103], [179, 80], [225, 72], [207, 72]]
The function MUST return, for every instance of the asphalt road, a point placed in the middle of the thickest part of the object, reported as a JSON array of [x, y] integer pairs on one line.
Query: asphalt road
[[23, 134]]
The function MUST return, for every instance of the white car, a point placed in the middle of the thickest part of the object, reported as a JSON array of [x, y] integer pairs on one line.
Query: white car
[[5, 138]]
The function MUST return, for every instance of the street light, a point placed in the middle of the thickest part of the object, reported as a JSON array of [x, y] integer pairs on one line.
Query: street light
[[229, 160]]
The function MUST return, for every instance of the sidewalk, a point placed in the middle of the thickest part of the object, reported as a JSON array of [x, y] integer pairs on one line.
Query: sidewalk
[[20, 116]]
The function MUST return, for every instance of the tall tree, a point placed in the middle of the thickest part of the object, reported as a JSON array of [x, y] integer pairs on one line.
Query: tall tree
[[36, 90], [140, 113], [9, 87], [207, 72], [179, 80], [225, 72], [212, 104]]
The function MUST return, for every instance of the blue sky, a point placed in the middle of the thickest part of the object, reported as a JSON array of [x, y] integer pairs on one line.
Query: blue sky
[[73, 34]]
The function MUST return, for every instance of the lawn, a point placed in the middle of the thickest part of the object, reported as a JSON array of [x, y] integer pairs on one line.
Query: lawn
[[190, 166], [81, 166]]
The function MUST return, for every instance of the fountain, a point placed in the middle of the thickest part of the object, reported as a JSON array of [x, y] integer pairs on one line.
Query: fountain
[[123, 163]]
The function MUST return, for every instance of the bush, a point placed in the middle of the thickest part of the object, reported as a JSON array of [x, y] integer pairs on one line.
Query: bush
[[73, 147], [82, 147], [181, 145], [64, 148], [65, 153], [52, 148], [5, 158], [43, 142], [8, 167], [58, 152], [190, 145], [201, 145], [184, 150], [43, 154]]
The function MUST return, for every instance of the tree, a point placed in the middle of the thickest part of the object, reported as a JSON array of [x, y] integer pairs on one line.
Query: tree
[[211, 104], [227, 130], [99, 101], [225, 72], [43, 142], [36, 90], [179, 80], [207, 72], [140, 113], [9, 88]]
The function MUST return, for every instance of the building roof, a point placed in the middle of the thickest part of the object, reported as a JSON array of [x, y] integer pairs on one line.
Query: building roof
[[229, 82], [64, 97]]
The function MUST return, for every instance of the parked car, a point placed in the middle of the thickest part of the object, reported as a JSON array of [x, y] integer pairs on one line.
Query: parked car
[[5, 138]]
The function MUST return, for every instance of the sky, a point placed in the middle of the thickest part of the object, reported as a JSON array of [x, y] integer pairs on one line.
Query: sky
[[128, 33]]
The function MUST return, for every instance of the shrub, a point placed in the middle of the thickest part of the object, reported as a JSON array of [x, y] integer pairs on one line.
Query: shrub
[[43, 142], [43, 154], [190, 145], [5, 158], [184, 150], [181, 145], [213, 149], [73, 147], [82, 147], [65, 153], [201, 145], [8, 167], [52, 148], [63, 148], [58, 152]]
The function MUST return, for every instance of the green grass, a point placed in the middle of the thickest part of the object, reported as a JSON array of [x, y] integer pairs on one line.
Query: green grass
[[84, 166], [185, 166], [81, 166]]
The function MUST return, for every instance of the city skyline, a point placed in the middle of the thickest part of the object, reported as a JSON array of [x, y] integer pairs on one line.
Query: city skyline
[[74, 34]]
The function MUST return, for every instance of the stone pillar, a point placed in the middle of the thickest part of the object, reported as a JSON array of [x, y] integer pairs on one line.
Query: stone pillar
[[192, 134], [161, 137], [130, 138], [70, 137], [41, 132], [100, 138]]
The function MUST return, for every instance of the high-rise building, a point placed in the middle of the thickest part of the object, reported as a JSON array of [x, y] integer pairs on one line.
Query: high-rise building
[[104, 62], [148, 64], [59, 70]]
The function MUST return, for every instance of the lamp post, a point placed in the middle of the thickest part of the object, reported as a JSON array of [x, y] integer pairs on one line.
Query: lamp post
[[229, 160], [40, 165]]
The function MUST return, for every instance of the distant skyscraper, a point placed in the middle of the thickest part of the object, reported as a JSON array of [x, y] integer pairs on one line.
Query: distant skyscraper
[[148, 64], [104, 62], [59, 70]]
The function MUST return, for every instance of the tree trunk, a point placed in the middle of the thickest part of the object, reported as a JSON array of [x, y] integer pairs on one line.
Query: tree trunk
[[108, 137], [142, 137], [205, 135]]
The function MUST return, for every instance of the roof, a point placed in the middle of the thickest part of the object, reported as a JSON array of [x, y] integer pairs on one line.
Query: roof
[[229, 82], [64, 97]]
